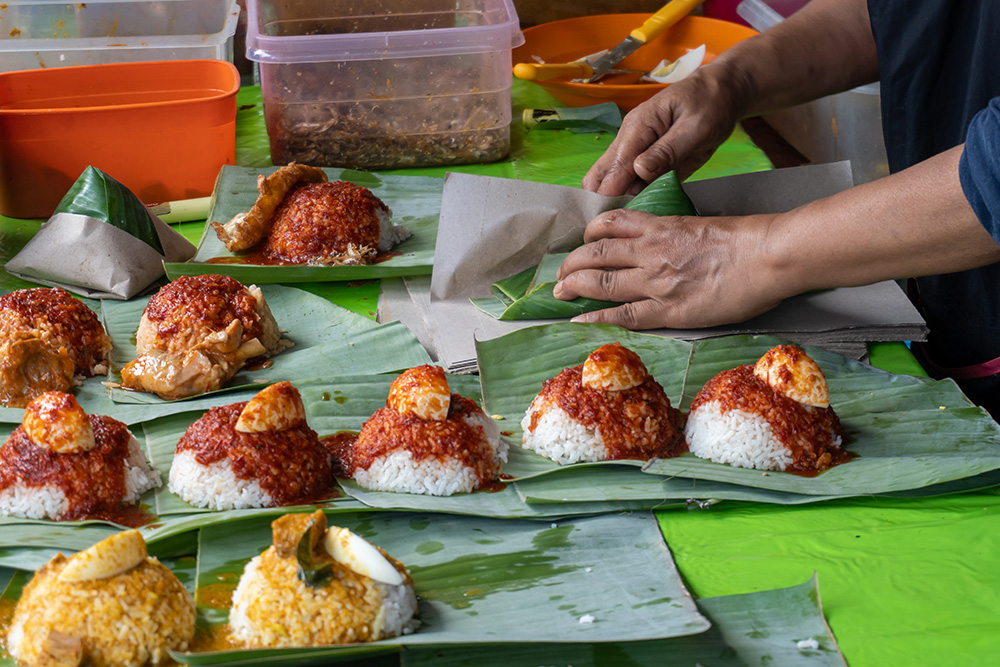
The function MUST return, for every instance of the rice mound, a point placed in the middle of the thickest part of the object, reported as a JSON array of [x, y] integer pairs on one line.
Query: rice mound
[[49, 501], [214, 485], [736, 437], [398, 471], [273, 608], [132, 618], [560, 437]]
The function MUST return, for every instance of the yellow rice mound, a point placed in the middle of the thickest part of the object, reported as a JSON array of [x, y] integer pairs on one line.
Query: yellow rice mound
[[273, 608], [131, 618]]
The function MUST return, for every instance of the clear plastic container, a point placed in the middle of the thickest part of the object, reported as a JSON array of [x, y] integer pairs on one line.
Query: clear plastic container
[[846, 126], [53, 33], [383, 84]]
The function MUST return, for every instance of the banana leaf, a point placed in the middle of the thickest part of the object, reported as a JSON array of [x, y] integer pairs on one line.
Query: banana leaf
[[327, 340], [99, 196], [415, 202], [909, 433], [528, 295], [491, 581], [761, 628], [604, 117]]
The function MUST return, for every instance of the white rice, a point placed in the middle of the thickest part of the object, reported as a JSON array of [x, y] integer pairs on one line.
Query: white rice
[[214, 486], [735, 437], [560, 437], [49, 501], [398, 472], [389, 234], [299, 611]]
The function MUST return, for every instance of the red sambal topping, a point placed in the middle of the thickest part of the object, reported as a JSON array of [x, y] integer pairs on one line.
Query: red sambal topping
[[809, 433], [209, 299], [93, 481], [636, 423], [453, 438], [69, 319], [320, 220], [290, 465]]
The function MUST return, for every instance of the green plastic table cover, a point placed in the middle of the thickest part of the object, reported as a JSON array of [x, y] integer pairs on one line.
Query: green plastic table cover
[[904, 581]]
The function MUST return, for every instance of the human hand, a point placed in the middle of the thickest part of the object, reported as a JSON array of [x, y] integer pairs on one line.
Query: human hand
[[676, 272], [678, 128]]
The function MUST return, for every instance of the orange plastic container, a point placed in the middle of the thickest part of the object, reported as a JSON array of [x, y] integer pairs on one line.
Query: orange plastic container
[[164, 129], [569, 39]]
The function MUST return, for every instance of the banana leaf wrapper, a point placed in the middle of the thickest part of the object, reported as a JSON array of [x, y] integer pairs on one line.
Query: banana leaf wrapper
[[528, 295], [908, 433], [415, 202], [100, 242]]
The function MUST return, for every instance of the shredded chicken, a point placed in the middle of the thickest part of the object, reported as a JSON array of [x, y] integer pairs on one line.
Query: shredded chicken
[[198, 332], [248, 229]]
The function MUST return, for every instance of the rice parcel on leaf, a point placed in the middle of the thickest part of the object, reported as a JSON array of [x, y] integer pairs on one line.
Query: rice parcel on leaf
[[319, 585], [774, 415], [426, 440], [48, 341], [110, 605], [608, 408], [197, 332], [256, 453], [300, 217], [64, 464]]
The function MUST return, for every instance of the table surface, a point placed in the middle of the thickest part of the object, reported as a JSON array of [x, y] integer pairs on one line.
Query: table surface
[[903, 581]]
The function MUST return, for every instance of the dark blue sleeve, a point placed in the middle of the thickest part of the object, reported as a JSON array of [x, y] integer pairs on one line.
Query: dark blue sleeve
[[979, 167]]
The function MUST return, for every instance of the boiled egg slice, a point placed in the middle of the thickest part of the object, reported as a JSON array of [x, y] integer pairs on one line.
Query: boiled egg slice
[[672, 72], [792, 373], [422, 390], [360, 555], [113, 555], [274, 408], [613, 367], [55, 421]]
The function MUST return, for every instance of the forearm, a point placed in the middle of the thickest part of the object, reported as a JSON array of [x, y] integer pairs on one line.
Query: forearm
[[916, 222], [824, 48]]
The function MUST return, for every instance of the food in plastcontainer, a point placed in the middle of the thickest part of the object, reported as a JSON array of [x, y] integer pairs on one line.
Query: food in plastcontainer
[[64, 464], [608, 408], [197, 332], [48, 340], [110, 605], [774, 415], [319, 585], [426, 440], [302, 218], [256, 453]]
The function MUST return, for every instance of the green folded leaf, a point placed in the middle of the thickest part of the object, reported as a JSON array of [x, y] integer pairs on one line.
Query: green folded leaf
[[760, 628], [909, 433], [517, 298], [604, 117], [415, 202], [492, 581], [97, 195]]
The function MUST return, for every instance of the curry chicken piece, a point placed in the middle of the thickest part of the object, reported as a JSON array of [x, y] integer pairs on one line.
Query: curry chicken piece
[[197, 332], [47, 340]]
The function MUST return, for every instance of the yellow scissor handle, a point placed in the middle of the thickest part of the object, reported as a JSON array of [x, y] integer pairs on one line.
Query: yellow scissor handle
[[535, 71], [670, 14]]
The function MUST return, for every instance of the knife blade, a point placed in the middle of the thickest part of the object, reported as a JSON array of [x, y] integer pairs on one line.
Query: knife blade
[[652, 28]]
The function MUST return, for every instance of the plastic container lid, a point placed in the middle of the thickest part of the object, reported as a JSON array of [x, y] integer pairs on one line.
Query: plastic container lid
[[501, 32]]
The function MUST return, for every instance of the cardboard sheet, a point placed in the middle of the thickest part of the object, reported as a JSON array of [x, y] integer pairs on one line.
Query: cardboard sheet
[[491, 228]]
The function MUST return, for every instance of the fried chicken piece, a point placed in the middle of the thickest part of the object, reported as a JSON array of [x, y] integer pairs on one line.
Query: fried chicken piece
[[196, 333], [47, 339], [332, 223], [248, 229]]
